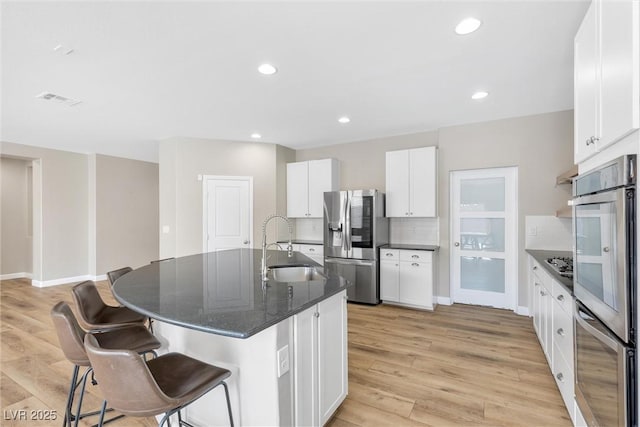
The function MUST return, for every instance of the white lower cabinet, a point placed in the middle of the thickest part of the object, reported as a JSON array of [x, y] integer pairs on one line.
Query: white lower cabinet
[[407, 277], [320, 360], [552, 310]]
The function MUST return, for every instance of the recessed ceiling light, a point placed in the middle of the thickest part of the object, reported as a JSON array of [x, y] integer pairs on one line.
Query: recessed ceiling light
[[468, 25], [267, 69], [479, 95], [344, 119], [256, 136]]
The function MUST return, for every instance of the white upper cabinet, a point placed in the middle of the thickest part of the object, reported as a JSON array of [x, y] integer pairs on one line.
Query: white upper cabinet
[[411, 177], [306, 184], [607, 76]]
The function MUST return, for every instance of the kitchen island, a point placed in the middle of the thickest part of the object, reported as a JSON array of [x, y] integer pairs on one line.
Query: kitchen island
[[286, 343]]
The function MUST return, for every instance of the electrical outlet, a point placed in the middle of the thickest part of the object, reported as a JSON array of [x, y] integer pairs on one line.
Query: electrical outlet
[[283, 360]]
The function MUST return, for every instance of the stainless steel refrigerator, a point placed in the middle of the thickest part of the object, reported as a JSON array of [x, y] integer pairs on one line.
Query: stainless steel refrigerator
[[354, 228]]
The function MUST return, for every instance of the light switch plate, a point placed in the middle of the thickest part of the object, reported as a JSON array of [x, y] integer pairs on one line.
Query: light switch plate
[[283, 361]]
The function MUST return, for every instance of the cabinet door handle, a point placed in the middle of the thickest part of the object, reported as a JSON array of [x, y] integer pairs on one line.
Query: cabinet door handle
[[311, 250], [589, 141], [535, 267], [246, 242], [415, 264], [388, 254], [560, 377], [560, 298], [560, 332], [415, 256], [543, 293]]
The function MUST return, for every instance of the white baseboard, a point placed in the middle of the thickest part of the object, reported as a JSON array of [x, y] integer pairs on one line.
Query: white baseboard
[[22, 275], [444, 300], [62, 281], [99, 278], [522, 310]]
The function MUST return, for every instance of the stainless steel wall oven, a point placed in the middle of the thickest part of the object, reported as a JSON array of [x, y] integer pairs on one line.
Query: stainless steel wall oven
[[604, 278]]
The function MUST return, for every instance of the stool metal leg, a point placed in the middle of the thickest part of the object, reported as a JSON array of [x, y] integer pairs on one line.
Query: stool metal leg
[[226, 393], [72, 391]]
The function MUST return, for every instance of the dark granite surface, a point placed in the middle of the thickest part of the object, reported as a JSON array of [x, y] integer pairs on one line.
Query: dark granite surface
[[410, 247], [221, 292], [542, 255]]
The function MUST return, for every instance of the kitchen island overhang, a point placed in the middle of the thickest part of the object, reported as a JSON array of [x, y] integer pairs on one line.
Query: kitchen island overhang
[[285, 343]]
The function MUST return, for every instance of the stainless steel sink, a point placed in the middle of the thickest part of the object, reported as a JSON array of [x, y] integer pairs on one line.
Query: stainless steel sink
[[293, 273]]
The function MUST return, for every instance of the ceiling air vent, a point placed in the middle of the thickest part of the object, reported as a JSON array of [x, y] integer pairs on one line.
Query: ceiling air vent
[[48, 96]]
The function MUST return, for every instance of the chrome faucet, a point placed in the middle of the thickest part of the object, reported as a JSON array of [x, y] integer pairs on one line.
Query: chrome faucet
[[263, 268]]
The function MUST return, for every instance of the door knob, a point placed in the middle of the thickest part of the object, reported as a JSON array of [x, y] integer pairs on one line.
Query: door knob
[[456, 244]]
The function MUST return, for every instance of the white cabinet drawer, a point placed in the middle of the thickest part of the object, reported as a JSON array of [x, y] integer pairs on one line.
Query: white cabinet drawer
[[416, 256], [563, 375], [562, 296], [563, 334], [389, 254]]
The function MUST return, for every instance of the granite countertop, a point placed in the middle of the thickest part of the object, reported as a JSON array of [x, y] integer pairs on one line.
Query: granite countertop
[[542, 255], [221, 292], [410, 247]]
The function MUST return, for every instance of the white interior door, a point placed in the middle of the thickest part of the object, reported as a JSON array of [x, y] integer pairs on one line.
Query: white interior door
[[484, 237], [228, 212]]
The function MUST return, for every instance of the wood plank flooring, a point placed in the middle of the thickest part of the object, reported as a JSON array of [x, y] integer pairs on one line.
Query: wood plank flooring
[[460, 365]]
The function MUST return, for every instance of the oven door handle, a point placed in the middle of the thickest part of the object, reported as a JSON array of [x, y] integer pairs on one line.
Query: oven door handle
[[582, 317]]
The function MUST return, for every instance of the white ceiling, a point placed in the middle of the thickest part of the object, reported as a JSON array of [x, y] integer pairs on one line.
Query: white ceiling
[[146, 71]]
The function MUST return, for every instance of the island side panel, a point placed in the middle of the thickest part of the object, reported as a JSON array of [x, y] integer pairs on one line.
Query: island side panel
[[258, 396]]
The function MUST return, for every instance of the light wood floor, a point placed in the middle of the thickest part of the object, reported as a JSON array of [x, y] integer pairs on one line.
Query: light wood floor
[[459, 365]]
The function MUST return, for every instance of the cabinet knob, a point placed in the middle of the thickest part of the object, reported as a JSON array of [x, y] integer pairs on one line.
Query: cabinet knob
[[560, 332], [456, 244], [543, 293], [560, 377], [605, 249], [316, 314], [406, 213], [535, 267], [246, 242], [410, 213], [560, 298]]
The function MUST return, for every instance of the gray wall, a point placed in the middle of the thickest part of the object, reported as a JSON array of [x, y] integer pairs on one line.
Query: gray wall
[[60, 183], [91, 213], [126, 213], [15, 212], [183, 159], [541, 146]]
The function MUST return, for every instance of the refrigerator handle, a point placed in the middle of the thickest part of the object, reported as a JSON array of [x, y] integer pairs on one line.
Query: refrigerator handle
[[347, 231]]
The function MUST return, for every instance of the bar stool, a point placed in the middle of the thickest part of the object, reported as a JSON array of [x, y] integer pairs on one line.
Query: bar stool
[[71, 338], [115, 275], [142, 388], [95, 315]]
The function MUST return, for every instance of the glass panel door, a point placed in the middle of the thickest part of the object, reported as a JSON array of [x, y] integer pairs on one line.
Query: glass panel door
[[483, 219]]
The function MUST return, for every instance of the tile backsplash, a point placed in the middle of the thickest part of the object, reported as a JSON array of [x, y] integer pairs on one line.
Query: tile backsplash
[[548, 232], [414, 231]]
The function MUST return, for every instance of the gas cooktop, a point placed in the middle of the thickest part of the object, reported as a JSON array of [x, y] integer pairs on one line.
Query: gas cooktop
[[562, 265]]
